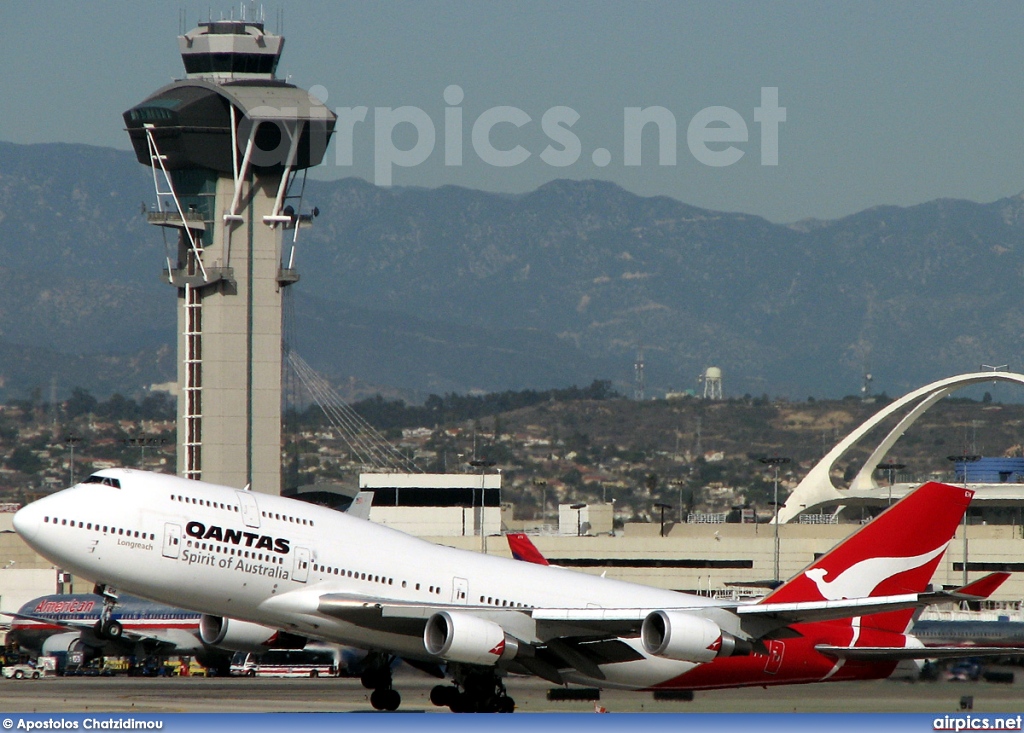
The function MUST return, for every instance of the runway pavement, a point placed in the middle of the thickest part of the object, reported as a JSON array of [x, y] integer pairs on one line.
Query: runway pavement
[[128, 694]]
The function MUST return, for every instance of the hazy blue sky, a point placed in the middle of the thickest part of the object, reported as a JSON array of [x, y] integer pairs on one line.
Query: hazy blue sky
[[886, 103]]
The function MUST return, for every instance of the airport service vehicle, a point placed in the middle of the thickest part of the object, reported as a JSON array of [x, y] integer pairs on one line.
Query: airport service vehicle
[[315, 660], [23, 672], [235, 555]]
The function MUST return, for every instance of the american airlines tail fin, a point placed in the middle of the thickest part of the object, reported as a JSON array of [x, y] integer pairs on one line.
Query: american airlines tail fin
[[523, 549], [360, 506], [895, 553]]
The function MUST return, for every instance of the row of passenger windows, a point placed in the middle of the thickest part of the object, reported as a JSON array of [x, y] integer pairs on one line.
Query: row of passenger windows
[[98, 528], [204, 502], [123, 615], [355, 575], [487, 600], [233, 508], [210, 547], [286, 518]]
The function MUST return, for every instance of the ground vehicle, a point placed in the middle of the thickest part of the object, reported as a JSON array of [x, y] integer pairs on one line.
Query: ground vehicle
[[965, 671], [243, 665], [313, 661], [23, 671]]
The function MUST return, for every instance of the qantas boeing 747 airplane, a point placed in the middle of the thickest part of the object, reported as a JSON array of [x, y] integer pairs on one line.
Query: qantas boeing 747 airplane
[[237, 556]]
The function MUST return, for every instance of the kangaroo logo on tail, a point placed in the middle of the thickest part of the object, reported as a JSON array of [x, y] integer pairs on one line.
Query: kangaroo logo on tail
[[860, 579]]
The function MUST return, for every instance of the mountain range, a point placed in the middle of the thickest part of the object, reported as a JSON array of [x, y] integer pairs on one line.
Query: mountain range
[[452, 289]]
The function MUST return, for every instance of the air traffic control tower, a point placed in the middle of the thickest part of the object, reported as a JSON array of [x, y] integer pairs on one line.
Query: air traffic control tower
[[229, 145]]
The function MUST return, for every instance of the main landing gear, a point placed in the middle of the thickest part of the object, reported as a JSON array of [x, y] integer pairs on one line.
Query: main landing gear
[[377, 677], [475, 691], [107, 627]]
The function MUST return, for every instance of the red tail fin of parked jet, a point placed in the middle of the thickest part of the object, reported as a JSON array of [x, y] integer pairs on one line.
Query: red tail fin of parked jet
[[523, 549]]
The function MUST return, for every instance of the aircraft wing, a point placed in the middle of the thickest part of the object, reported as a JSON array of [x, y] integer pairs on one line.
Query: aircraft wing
[[545, 624], [880, 653], [579, 638]]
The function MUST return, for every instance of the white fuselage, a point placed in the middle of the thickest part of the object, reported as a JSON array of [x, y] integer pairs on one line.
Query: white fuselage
[[270, 560]]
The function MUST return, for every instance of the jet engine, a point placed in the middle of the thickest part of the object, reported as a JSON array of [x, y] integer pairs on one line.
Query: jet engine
[[243, 636], [688, 638], [66, 643], [463, 637]]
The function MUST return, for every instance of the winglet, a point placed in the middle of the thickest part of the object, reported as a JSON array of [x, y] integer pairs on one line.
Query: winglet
[[983, 587], [523, 549]]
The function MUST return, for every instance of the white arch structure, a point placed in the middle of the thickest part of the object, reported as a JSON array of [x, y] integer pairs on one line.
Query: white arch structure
[[817, 487]]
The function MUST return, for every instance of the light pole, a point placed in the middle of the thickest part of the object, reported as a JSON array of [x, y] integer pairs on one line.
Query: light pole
[[544, 500], [663, 507], [579, 518], [775, 462], [891, 468], [679, 483], [71, 440], [966, 460], [482, 465]]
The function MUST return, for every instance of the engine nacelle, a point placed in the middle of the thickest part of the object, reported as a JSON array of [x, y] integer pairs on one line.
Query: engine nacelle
[[463, 637], [243, 636], [688, 638], [66, 643]]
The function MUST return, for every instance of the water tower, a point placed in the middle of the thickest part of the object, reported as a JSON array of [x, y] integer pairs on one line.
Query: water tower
[[713, 383], [229, 145]]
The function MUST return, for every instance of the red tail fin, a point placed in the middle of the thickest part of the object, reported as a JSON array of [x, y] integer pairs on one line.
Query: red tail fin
[[984, 587], [897, 552], [523, 549]]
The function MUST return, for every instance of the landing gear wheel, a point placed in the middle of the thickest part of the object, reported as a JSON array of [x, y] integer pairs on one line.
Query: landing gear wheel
[[443, 695], [392, 700], [385, 699], [476, 690], [110, 629]]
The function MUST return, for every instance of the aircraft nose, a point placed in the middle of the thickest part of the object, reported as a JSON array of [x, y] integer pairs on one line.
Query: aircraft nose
[[27, 520]]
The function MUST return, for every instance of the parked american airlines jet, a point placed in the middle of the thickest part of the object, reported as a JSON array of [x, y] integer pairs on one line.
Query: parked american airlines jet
[[66, 623], [314, 572]]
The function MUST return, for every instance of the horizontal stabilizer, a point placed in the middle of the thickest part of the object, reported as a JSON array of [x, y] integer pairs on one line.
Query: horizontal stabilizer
[[883, 653]]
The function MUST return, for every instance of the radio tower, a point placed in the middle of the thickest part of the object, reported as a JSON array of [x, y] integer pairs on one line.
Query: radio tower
[[229, 145], [638, 375]]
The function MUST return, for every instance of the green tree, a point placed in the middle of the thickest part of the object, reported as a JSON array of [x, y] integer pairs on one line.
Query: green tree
[[24, 460]]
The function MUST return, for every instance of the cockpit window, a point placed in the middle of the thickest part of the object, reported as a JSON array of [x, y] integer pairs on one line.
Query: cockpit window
[[105, 480]]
